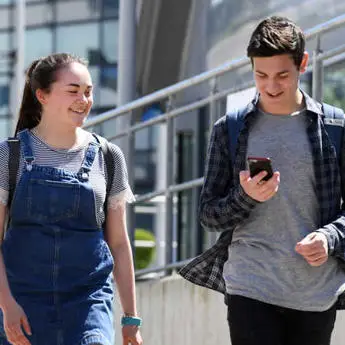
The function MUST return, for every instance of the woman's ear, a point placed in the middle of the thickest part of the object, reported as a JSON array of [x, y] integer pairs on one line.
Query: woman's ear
[[41, 96]]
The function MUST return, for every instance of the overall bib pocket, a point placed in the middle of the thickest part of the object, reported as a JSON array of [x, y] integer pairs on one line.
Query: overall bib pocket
[[50, 200]]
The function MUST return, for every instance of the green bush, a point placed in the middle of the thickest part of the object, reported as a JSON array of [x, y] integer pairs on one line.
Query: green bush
[[144, 252]]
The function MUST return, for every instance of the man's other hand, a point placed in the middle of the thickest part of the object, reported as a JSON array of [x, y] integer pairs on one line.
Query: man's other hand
[[314, 248]]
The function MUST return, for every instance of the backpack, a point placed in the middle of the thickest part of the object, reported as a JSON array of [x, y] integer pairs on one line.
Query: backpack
[[13, 165], [333, 120]]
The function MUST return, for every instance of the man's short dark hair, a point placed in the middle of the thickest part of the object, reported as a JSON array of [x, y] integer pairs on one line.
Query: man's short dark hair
[[276, 36]]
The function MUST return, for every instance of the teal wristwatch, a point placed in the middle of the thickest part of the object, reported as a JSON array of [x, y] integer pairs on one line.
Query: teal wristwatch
[[131, 321]]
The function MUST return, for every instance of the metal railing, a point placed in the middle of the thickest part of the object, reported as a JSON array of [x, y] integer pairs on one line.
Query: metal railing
[[318, 62]]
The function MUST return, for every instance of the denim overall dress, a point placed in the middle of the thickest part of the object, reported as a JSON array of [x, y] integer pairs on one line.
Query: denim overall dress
[[57, 262]]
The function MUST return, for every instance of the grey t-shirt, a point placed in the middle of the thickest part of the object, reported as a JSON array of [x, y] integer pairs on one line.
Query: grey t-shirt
[[71, 160], [262, 262]]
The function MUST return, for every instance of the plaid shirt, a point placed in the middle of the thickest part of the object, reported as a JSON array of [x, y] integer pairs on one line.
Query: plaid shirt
[[224, 205]]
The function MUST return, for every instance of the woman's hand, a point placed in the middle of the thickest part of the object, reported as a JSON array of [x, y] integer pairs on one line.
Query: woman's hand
[[131, 335], [15, 321]]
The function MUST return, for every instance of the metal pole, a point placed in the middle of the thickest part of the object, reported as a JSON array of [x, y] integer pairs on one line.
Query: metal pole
[[317, 81], [19, 62], [169, 204], [126, 91], [213, 104], [126, 59], [131, 208], [161, 183], [212, 236], [126, 67]]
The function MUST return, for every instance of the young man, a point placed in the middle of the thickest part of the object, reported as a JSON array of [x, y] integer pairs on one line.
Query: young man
[[278, 258]]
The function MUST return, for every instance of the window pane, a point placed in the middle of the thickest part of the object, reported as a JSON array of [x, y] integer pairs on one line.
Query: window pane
[[142, 140], [4, 18], [4, 128], [4, 96], [110, 32], [110, 8], [5, 57], [82, 39], [5, 2], [77, 9], [185, 198], [108, 62], [38, 43], [39, 14], [108, 85]]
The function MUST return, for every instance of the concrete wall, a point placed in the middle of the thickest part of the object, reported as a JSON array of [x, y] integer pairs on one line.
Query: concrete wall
[[176, 312]]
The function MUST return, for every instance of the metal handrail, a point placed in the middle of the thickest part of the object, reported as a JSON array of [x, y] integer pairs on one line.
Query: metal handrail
[[166, 92], [183, 109], [325, 27], [172, 189], [331, 53], [316, 65], [147, 271]]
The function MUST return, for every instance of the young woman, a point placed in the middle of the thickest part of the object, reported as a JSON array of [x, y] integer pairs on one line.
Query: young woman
[[56, 257]]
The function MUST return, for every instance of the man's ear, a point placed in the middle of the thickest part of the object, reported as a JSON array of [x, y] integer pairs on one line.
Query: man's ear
[[304, 63], [41, 96]]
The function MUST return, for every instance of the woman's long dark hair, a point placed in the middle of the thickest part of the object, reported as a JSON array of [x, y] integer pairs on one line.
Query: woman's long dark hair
[[41, 74]]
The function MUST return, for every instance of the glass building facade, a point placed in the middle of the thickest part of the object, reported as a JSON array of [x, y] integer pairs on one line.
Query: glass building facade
[[88, 28]]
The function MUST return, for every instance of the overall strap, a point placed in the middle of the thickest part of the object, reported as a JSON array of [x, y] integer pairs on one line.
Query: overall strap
[[334, 121], [13, 166], [29, 157], [235, 123], [89, 158]]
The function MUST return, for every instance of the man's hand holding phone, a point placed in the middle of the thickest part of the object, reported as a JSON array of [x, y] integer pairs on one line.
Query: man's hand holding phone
[[259, 182]]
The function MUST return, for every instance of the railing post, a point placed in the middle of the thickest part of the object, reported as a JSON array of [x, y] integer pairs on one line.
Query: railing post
[[212, 236], [317, 81], [131, 168], [160, 204], [169, 204], [213, 103]]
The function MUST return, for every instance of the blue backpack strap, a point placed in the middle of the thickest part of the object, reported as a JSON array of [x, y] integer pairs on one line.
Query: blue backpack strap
[[334, 121], [109, 160], [109, 165], [235, 122]]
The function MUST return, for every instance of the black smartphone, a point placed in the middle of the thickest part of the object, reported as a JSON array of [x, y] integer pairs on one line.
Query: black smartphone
[[258, 164]]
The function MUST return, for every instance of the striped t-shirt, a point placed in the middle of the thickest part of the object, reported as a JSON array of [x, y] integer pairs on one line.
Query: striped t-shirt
[[71, 160]]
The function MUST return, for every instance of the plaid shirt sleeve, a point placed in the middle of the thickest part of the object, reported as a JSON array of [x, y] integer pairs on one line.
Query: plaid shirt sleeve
[[335, 231], [223, 204]]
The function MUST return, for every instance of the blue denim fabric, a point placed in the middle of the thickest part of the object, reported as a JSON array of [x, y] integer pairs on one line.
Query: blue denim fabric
[[57, 261]]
